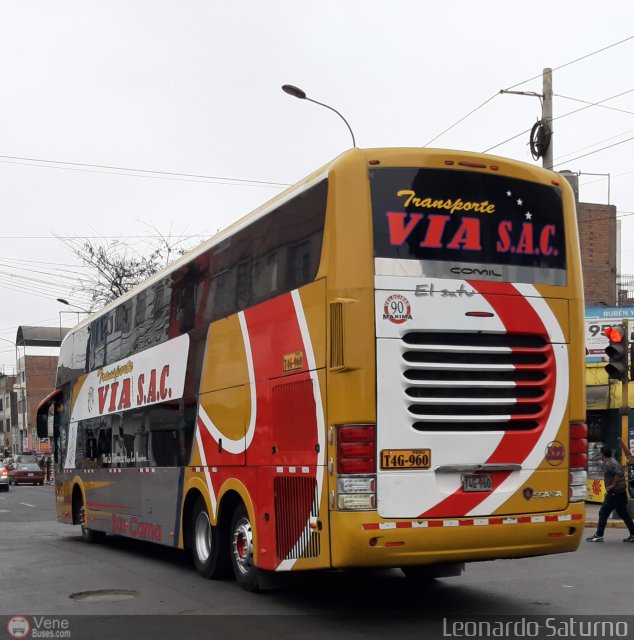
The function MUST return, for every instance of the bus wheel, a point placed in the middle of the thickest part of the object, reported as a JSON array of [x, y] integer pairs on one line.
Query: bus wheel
[[209, 547], [246, 573], [89, 535]]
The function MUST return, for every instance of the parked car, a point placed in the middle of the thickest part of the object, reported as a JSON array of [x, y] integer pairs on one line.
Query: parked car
[[26, 470], [4, 479]]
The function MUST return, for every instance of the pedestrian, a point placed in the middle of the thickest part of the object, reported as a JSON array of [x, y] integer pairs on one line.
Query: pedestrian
[[48, 469], [615, 496]]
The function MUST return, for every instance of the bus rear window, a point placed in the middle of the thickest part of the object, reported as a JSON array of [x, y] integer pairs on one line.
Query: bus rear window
[[447, 223]]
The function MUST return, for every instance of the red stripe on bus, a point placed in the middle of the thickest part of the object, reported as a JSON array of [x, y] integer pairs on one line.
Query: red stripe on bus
[[105, 505]]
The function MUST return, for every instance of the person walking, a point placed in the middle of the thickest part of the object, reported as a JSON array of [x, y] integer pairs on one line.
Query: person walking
[[615, 496]]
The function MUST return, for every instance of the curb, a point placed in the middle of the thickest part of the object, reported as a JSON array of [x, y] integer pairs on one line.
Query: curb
[[592, 524]]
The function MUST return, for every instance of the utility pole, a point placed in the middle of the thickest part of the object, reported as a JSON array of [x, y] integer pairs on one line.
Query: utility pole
[[547, 115], [541, 138]]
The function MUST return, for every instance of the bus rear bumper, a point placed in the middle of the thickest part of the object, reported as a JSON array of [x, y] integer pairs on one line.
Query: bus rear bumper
[[366, 540]]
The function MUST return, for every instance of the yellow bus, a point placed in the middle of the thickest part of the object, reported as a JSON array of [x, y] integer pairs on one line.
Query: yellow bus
[[381, 367]]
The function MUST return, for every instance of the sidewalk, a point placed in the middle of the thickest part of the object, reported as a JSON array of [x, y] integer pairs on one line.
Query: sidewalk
[[592, 517]]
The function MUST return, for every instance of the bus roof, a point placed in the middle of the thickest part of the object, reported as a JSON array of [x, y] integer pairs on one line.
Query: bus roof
[[388, 154]]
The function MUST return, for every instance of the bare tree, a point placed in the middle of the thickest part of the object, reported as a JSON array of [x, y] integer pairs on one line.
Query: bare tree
[[115, 267]]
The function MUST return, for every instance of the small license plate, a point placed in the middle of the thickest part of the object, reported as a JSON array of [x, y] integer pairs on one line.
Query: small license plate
[[31, 475], [478, 482], [405, 458]]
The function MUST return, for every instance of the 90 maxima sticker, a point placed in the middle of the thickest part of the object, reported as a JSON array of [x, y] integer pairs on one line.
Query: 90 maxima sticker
[[397, 309]]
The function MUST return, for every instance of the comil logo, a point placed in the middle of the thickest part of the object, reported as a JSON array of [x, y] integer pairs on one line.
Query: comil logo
[[18, 627]]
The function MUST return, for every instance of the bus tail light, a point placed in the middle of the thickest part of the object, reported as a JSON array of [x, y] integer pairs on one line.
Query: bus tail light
[[356, 467], [578, 462]]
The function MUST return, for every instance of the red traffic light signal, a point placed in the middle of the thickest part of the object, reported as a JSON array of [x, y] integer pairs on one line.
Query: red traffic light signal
[[615, 334], [617, 353]]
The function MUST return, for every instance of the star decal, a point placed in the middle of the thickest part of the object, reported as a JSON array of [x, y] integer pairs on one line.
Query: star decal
[[509, 194], [529, 215], [519, 202]]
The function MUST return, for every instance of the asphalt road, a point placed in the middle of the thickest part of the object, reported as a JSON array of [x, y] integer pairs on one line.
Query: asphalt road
[[47, 569]]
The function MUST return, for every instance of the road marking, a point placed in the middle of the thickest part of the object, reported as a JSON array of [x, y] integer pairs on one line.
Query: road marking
[[4, 510], [26, 504]]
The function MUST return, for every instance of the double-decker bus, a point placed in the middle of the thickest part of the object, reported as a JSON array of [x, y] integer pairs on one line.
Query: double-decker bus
[[381, 367]]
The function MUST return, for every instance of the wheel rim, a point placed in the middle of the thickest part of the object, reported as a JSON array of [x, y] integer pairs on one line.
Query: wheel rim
[[202, 537], [242, 546]]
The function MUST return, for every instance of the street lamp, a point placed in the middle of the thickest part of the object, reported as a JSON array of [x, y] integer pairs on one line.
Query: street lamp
[[68, 304], [296, 92]]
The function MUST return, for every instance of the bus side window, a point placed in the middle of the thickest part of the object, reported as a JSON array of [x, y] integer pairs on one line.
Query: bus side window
[[104, 441], [164, 435], [135, 436], [91, 445]]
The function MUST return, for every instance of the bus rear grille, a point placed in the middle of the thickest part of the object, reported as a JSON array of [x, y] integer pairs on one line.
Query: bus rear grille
[[296, 500], [476, 382]]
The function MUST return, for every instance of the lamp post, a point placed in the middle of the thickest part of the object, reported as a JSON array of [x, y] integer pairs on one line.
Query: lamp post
[[68, 304], [296, 92]]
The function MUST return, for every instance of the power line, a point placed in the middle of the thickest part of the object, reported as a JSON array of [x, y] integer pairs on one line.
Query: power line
[[618, 135], [616, 175], [495, 95], [38, 262], [616, 144], [594, 104], [61, 273], [564, 115], [567, 64], [145, 172], [57, 237]]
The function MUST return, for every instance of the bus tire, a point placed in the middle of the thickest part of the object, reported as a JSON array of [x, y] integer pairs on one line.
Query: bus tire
[[246, 573], [89, 535], [208, 544]]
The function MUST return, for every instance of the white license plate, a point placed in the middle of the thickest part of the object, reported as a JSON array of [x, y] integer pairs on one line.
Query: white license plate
[[31, 475], [479, 482]]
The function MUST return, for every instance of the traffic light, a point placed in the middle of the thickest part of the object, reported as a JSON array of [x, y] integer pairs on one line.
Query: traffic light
[[617, 353]]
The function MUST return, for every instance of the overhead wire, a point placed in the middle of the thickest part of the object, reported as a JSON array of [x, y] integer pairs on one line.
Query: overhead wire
[[563, 115], [610, 146], [134, 172], [567, 64], [594, 104], [594, 144]]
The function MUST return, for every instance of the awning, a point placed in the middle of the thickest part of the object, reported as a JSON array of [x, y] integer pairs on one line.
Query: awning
[[40, 336]]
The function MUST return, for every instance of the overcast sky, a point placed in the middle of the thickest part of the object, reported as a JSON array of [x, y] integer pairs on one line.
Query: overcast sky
[[193, 87]]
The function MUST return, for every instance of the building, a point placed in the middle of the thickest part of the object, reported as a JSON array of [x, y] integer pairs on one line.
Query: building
[[35, 379], [599, 238], [8, 411]]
